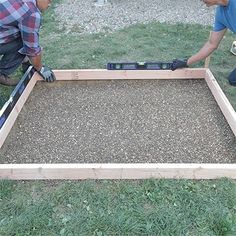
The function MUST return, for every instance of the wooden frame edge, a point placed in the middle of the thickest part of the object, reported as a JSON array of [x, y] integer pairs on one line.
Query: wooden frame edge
[[222, 101], [100, 74], [4, 131], [116, 171]]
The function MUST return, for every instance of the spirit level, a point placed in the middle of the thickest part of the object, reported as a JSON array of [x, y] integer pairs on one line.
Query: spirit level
[[139, 65], [15, 95]]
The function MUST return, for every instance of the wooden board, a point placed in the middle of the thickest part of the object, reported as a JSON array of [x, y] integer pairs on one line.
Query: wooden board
[[221, 100], [129, 74], [116, 171], [4, 131]]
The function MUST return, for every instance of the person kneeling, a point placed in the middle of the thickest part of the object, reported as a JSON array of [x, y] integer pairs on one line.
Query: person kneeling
[[19, 38]]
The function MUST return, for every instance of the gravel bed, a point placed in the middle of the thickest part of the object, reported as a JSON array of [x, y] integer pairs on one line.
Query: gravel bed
[[120, 122], [84, 17]]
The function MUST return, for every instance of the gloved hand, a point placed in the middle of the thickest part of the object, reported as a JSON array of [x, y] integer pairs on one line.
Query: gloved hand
[[47, 74], [179, 63]]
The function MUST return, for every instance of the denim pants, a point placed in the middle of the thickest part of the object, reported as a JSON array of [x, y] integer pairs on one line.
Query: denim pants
[[10, 58]]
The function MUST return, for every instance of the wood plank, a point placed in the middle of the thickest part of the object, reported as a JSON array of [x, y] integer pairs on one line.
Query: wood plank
[[96, 74], [222, 100], [4, 131], [207, 60], [116, 171]]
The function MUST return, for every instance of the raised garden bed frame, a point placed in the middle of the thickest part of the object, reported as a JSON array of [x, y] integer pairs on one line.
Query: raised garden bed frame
[[115, 171]]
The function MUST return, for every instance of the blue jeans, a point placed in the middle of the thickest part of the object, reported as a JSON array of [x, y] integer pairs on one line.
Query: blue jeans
[[232, 77], [10, 58]]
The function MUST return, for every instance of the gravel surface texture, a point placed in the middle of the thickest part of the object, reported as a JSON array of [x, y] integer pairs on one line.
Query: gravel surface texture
[[120, 122], [84, 17]]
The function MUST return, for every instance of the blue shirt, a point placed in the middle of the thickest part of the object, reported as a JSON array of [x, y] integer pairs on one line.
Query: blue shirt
[[226, 17]]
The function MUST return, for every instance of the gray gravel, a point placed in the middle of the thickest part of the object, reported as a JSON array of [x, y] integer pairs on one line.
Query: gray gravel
[[120, 121], [83, 17]]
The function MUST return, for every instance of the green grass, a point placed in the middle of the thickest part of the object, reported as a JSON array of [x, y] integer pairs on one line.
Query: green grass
[[152, 207]]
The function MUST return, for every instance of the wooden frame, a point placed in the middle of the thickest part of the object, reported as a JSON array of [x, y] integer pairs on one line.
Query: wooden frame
[[121, 171]]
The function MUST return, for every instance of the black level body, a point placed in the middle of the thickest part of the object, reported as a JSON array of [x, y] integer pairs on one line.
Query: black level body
[[139, 65]]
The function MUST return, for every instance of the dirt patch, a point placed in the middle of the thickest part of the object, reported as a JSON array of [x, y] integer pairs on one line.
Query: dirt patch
[[121, 122]]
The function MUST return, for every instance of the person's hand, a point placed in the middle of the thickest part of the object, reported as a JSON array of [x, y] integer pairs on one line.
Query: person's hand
[[179, 63], [47, 74]]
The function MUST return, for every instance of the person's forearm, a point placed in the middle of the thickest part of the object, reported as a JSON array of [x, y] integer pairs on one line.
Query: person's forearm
[[203, 53], [36, 62], [210, 46]]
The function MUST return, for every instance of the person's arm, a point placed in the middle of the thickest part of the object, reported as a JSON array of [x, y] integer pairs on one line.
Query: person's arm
[[210, 46], [36, 61], [29, 28]]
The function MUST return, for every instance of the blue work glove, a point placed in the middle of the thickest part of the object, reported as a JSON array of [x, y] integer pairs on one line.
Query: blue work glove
[[232, 78], [179, 63], [47, 74]]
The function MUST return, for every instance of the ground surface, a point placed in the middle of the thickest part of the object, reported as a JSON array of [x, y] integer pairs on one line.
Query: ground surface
[[120, 121], [83, 17]]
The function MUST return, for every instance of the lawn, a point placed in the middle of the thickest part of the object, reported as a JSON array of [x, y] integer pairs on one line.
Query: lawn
[[151, 207]]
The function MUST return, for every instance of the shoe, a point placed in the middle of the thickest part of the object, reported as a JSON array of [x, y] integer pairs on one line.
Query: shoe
[[25, 66], [5, 80], [232, 78], [233, 48]]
